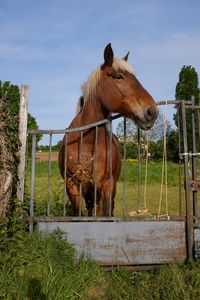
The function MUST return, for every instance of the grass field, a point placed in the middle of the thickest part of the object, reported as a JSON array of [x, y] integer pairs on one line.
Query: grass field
[[44, 156], [153, 189]]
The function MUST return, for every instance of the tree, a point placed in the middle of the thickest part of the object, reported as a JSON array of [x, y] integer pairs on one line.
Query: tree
[[11, 95], [172, 145], [53, 147], [187, 87], [32, 124], [154, 134], [131, 129], [9, 144]]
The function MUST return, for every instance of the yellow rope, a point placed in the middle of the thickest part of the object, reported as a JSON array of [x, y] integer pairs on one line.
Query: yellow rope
[[145, 210], [146, 173], [163, 178]]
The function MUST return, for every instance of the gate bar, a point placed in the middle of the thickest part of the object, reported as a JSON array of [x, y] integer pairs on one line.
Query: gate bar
[[198, 121], [111, 152], [69, 130], [99, 219], [189, 220], [124, 169], [139, 168], [65, 178], [32, 196], [179, 161], [95, 170], [49, 176], [80, 186], [194, 168]]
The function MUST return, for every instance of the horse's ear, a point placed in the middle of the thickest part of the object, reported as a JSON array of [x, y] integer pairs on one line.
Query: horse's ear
[[108, 55], [126, 56]]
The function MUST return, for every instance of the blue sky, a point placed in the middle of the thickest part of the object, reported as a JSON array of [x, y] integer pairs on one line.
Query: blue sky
[[54, 45]]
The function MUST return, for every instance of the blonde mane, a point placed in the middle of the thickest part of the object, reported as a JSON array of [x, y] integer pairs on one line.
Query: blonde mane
[[89, 88]]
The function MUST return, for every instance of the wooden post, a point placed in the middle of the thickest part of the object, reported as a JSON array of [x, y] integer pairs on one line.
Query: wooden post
[[23, 119]]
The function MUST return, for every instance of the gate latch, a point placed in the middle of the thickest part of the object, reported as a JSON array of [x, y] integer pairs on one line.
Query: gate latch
[[194, 185]]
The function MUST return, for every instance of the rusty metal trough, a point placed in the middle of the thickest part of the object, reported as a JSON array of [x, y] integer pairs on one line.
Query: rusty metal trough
[[125, 243]]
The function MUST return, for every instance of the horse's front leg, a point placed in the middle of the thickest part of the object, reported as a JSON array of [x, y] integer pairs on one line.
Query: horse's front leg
[[73, 192], [108, 195]]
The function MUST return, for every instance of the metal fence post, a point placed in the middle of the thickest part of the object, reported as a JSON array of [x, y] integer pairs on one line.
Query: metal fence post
[[189, 221], [194, 168], [95, 171], [32, 198], [179, 161], [65, 177], [139, 170], [49, 177], [111, 153], [124, 169]]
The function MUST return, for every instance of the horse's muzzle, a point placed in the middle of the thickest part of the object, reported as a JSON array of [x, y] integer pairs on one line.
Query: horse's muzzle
[[147, 121], [151, 114]]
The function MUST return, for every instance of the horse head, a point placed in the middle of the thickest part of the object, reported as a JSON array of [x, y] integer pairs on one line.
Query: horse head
[[121, 92]]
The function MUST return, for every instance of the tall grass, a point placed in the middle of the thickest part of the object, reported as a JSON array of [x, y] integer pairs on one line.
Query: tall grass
[[45, 268], [174, 281]]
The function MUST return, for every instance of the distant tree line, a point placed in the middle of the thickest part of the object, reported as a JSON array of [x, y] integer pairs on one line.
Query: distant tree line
[[152, 140], [53, 147]]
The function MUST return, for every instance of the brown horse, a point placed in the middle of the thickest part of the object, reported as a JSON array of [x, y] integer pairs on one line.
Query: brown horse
[[91, 172]]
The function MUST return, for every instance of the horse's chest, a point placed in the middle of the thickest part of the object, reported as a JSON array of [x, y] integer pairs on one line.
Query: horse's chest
[[90, 158]]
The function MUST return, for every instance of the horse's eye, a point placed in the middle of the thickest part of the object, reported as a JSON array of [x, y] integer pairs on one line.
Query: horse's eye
[[119, 77]]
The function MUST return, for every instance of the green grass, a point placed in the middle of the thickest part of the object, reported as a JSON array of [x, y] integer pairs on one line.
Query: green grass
[[35, 267], [153, 191], [174, 281], [45, 267]]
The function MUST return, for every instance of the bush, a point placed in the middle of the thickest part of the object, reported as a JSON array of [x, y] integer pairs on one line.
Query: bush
[[9, 144]]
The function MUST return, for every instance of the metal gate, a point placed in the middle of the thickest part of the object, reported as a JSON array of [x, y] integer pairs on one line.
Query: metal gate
[[132, 241]]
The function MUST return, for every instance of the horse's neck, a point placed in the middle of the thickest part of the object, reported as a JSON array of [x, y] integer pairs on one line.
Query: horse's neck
[[92, 113]]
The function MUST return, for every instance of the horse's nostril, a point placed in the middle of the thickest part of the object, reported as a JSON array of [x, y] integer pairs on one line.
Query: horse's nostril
[[151, 113]]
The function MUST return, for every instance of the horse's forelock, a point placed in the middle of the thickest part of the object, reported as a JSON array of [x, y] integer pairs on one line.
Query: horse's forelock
[[122, 64]]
